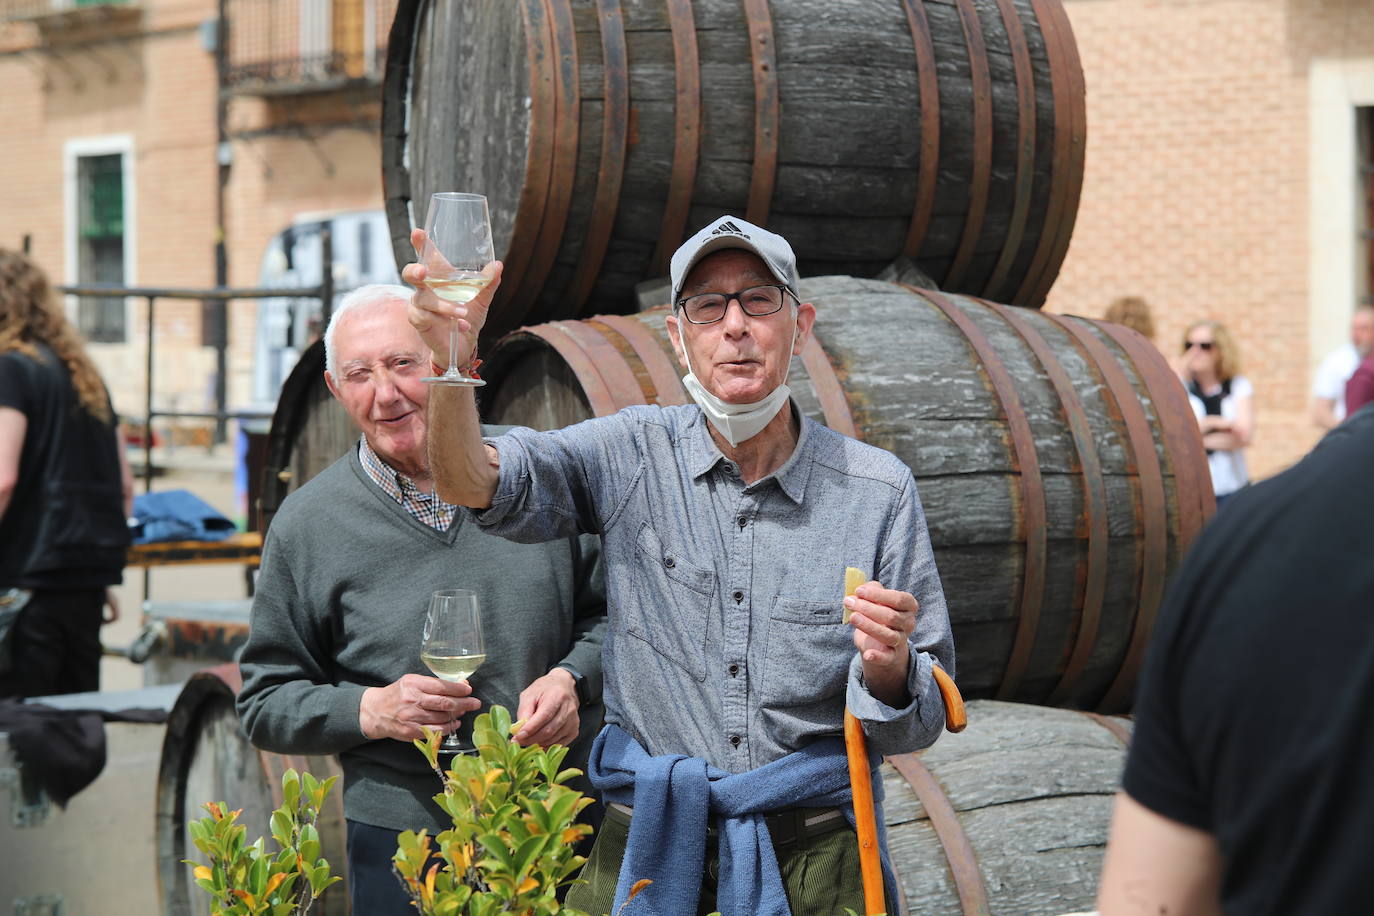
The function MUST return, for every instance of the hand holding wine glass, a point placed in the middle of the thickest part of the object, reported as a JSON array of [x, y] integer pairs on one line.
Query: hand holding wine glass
[[403, 709], [434, 318], [452, 645], [456, 252]]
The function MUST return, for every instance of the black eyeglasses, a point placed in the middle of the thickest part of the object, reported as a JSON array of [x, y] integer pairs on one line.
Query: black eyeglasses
[[1201, 344], [757, 301]]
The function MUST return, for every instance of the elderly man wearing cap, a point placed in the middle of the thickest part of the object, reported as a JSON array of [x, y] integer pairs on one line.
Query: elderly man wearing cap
[[731, 655]]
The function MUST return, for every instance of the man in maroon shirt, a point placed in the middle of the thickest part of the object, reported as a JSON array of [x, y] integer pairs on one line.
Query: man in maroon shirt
[[1359, 389]]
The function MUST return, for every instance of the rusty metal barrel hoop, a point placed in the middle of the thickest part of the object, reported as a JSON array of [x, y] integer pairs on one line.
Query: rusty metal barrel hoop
[[1152, 513], [1033, 510], [1094, 567]]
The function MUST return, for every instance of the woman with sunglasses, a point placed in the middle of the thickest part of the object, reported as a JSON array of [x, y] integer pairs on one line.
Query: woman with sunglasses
[[1223, 402]]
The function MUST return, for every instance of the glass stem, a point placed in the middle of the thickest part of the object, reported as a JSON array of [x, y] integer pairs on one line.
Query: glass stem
[[453, 348]]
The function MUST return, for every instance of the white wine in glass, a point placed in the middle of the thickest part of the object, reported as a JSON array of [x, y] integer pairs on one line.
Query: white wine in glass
[[458, 248], [460, 286], [452, 645], [452, 667]]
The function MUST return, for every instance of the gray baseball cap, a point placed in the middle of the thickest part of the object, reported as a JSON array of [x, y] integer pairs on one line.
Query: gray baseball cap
[[733, 232]]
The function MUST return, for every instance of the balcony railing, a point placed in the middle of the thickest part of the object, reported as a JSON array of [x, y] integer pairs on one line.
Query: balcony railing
[[38, 10], [276, 46]]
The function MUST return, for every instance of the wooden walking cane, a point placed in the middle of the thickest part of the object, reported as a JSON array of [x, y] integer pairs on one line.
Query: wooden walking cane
[[861, 780], [865, 821]]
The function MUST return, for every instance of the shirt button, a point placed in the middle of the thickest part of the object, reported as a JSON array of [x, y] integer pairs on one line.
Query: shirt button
[[738, 596], [734, 740], [734, 670], [669, 562], [743, 520]]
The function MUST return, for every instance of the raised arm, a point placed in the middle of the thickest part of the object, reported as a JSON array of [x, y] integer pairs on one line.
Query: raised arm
[[464, 469]]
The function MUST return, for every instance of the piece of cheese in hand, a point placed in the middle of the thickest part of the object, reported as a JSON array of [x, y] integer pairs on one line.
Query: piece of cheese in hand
[[853, 578]]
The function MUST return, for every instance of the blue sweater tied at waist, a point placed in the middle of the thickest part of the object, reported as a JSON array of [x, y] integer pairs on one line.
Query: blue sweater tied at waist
[[673, 795]]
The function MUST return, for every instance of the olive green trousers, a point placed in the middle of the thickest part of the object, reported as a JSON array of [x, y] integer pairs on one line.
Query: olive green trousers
[[820, 874]]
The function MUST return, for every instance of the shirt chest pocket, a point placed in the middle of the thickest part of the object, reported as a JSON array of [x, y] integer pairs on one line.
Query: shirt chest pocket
[[670, 608], [809, 649]]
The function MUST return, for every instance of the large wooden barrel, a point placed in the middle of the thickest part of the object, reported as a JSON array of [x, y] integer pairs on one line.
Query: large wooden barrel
[[310, 430], [1008, 817], [1060, 466], [605, 132], [206, 757]]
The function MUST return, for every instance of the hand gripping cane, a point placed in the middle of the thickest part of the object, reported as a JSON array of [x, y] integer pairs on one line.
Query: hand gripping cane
[[861, 780]]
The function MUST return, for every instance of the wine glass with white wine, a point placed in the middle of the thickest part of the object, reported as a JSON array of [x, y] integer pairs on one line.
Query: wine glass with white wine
[[457, 250], [452, 646]]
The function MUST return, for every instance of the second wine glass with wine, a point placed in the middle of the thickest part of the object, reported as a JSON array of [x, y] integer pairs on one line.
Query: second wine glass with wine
[[452, 645]]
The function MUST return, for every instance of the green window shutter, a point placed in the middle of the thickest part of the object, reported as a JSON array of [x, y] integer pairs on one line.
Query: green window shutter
[[104, 216]]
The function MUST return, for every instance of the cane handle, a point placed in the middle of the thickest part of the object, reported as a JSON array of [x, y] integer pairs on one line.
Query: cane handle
[[955, 719]]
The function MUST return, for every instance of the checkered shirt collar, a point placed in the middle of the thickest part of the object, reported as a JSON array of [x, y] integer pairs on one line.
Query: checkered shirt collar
[[426, 507]]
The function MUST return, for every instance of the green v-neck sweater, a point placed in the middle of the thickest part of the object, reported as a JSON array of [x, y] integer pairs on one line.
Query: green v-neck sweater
[[340, 603]]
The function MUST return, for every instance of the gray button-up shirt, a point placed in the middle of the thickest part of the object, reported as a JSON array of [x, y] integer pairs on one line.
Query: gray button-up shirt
[[726, 640]]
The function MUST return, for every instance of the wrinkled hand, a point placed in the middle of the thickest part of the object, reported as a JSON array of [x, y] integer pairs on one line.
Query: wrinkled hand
[[399, 709], [433, 317], [548, 707], [883, 620]]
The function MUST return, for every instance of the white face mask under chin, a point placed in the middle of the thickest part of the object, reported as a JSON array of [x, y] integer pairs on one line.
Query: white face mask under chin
[[738, 422]]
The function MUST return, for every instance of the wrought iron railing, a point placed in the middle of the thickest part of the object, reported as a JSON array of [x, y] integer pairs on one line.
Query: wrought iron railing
[[324, 292], [37, 9], [279, 46]]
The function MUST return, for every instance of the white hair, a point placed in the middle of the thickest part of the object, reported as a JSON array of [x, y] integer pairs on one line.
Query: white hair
[[358, 300]]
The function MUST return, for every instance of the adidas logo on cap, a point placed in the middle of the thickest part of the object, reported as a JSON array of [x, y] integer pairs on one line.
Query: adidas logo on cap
[[729, 227]]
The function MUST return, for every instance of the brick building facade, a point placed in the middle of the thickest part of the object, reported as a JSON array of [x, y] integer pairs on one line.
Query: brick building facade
[[110, 108], [1223, 181], [1223, 174]]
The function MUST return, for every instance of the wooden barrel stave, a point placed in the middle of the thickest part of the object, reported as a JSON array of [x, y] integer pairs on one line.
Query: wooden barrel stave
[[1031, 791], [1050, 579], [310, 431], [842, 173]]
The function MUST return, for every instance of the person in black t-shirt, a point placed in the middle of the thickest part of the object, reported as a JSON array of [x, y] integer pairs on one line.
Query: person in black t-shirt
[[1249, 786], [65, 492]]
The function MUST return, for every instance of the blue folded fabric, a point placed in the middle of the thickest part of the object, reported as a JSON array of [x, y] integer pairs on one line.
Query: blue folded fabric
[[674, 795], [177, 515]]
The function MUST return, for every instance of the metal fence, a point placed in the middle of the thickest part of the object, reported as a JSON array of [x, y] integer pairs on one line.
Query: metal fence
[[34, 9], [281, 46], [324, 292]]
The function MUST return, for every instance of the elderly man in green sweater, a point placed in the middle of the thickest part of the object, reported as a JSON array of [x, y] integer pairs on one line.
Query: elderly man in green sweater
[[332, 664]]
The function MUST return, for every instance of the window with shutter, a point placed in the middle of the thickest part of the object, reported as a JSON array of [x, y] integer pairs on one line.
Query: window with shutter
[[100, 244]]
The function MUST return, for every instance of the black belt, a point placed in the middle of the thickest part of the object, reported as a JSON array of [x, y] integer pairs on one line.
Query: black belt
[[786, 826]]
